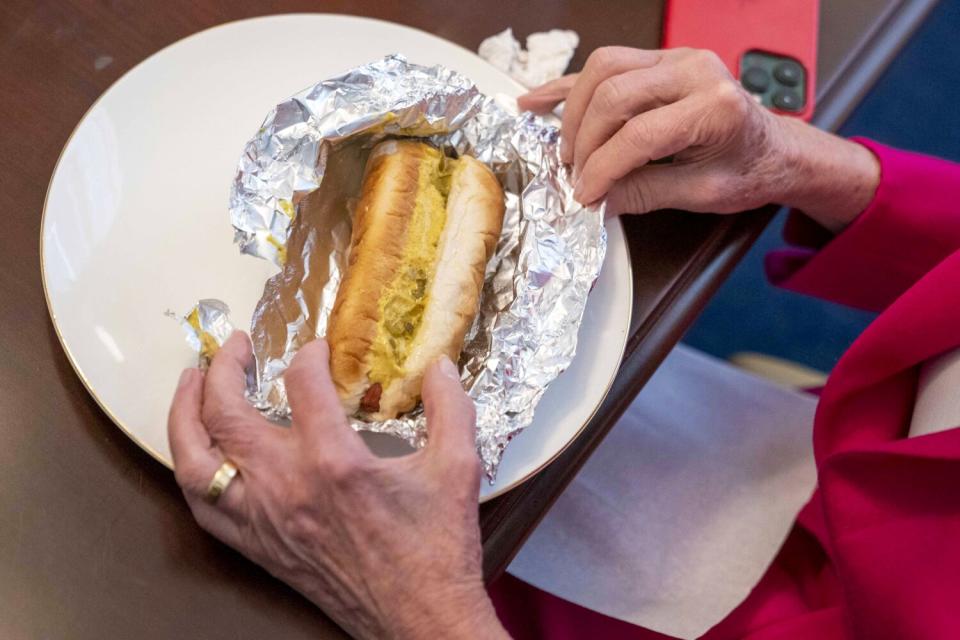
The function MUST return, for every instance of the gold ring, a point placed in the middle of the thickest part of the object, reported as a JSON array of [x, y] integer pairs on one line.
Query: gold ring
[[221, 480]]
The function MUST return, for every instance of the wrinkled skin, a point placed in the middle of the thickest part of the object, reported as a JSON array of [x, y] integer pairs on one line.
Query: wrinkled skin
[[387, 547], [720, 150]]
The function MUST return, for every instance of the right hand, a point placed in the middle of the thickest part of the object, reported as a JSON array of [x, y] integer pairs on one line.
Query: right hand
[[628, 108], [388, 547]]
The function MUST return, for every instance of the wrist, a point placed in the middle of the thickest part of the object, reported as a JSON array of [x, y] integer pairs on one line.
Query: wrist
[[829, 178], [466, 614]]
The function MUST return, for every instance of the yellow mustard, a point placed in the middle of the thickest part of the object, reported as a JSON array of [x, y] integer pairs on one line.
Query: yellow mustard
[[405, 298], [208, 345]]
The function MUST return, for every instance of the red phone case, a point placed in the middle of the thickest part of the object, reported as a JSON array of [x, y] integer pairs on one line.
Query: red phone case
[[731, 28]]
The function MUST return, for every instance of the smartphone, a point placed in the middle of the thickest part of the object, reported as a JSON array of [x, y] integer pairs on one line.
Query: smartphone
[[769, 45]]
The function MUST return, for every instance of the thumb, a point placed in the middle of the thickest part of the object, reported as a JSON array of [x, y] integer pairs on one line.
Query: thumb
[[657, 186], [451, 415]]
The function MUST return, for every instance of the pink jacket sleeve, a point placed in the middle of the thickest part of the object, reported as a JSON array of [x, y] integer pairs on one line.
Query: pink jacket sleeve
[[912, 224]]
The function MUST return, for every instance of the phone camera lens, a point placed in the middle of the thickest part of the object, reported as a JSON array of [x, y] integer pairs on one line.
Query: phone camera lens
[[787, 100], [788, 73], [756, 80]]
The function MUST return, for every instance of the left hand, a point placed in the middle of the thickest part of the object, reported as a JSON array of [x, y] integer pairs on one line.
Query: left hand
[[387, 547], [629, 108]]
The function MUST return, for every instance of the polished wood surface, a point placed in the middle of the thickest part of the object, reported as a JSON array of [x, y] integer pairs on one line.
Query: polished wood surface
[[95, 540]]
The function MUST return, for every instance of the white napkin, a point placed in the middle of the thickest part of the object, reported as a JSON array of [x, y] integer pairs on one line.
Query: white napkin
[[545, 58], [938, 403], [679, 512]]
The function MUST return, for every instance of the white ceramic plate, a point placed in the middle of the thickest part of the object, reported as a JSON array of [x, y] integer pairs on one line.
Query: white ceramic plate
[[135, 221]]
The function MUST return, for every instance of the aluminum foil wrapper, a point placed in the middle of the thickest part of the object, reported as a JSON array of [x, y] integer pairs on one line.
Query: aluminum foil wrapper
[[292, 202], [207, 326]]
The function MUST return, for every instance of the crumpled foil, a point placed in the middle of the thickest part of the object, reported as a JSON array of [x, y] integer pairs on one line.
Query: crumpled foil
[[292, 202], [207, 327]]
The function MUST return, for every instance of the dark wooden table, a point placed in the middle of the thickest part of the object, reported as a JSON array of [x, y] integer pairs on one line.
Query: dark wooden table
[[95, 540]]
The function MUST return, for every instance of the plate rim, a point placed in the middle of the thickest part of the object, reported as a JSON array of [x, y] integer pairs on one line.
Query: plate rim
[[606, 392], [75, 365]]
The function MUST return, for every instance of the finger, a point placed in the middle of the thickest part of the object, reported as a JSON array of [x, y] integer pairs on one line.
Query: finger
[[185, 430], [650, 188], [236, 428], [213, 519], [686, 186], [547, 96], [226, 384], [451, 415], [195, 458], [316, 408], [602, 64], [618, 99], [650, 136]]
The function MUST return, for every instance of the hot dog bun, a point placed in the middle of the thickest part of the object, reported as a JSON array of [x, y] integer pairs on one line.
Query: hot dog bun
[[424, 229]]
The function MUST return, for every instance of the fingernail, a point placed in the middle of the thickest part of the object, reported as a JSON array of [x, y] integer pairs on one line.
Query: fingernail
[[578, 189], [185, 377], [448, 369]]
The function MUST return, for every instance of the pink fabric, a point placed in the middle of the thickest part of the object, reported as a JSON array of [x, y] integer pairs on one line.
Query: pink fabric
[[911, 225], [876, 552]]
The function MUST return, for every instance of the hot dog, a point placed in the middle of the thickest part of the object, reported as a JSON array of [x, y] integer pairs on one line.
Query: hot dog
[[424, 229]]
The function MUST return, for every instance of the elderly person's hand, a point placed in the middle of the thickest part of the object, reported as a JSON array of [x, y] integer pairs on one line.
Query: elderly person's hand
[[389, 548], [727, 153]]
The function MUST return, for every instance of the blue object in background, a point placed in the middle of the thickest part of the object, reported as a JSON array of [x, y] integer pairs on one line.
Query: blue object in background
[[913, 106]]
